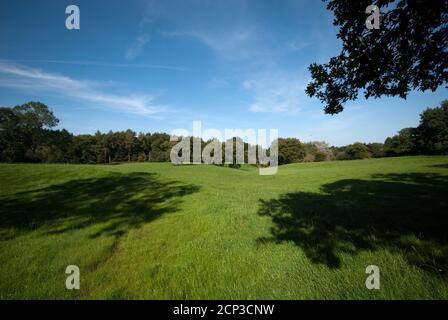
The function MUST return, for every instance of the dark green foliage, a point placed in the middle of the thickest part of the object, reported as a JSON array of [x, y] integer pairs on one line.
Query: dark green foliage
[[159, 147], [318, 151], [357, 150], [433, 130], [430, 137], [84, 149], [354, 151], [26, 136], [407, 52], [54, 147], [401, 144], [290, 150], [34, 115], [24, 129], [376, 150], [320, 156], [128, 146]]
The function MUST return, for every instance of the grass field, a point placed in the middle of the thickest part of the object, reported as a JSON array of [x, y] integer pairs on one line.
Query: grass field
[[155, 230]]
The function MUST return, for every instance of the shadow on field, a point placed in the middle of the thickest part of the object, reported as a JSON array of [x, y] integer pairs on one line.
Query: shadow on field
[[443, 166], [405, 213], [119, 201]]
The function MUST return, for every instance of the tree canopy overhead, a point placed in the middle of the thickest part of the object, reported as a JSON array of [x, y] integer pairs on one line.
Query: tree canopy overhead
[[408, 52]]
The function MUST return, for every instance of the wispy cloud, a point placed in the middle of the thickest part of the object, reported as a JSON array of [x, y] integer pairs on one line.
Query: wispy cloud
[[227, 28], [143, 22], [93, 63], [276, 93], [137, 46], [231, 44], [26, 78], [297, 45]]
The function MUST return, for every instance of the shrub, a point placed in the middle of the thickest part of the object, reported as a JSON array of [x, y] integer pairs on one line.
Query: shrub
[[357, 150]]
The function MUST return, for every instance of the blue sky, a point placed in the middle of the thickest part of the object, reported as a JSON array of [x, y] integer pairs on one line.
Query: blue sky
[[159, 65]]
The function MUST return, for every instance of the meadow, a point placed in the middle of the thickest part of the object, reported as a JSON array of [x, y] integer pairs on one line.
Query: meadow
[[159, 231]]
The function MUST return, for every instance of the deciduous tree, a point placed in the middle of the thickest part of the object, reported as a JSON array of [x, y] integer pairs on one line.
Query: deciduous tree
[[407, 52]]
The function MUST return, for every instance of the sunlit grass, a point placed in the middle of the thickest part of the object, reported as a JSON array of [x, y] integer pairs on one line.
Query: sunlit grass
[[162, 231]]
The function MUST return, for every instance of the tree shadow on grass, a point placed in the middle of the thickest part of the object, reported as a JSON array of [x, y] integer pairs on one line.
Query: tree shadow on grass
[[405, 213], [118, 202], [442, 165]]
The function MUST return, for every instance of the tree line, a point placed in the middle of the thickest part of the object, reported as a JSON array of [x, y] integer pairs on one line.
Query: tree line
[[27, 134], [430, 137]]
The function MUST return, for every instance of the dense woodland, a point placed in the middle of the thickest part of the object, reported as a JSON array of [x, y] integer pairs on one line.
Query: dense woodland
[[27, 135]]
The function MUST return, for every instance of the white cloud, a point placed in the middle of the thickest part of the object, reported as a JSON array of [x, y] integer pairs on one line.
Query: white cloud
[[144, 21], [231, 44], [25, 78], [276, 93], [94, 63], [297, 45], [137, 46], [225, 27]]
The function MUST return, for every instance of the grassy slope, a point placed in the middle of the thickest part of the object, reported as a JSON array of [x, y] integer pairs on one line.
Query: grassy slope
[[161, 231]]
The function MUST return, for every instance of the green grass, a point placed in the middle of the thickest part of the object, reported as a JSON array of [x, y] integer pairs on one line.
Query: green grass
[[150, 231]]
